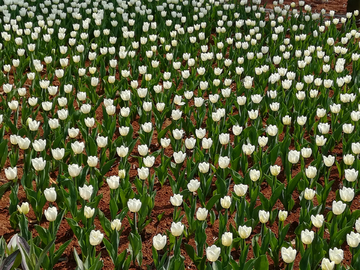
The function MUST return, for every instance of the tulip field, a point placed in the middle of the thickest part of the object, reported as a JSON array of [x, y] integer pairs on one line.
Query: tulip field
[[179, 134]]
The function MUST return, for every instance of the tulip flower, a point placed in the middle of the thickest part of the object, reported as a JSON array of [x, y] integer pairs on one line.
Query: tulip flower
[[307, 236], [327, 265], [275, 170], [50, 194], [24, 208], [73, 132], [134, 205], [293, 156], [213, 253], [92, 161], [240, 189], [193, 185], [336, 255], [338, 207], [254, 175], [39, 145], [353, 239], [264, 216], [226, 239], [201, 213], [309, 194], [113, 181], [11, 173], [96, 237], [58, 153], [74, 170], [317, 220], [159, 241], [177, 228], [38, 163], [347, 194], [116, 225], [78, 147], [176, 200], [89, 212], [86, 192], [288, 254], [51, 213], [328, 160], [225, 202]]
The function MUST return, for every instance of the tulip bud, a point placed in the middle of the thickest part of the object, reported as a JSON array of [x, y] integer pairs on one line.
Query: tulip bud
[[24, 208], [122, 173], [264, 216], [116, 225], [283, 215], [89, 212], [275, 170], [226, 239], [225, 202]]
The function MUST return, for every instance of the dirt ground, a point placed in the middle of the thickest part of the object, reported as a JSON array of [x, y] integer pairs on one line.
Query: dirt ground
[[162, 201]]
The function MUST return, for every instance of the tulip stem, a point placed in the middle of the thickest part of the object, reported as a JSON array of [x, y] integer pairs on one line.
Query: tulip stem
[[136, 229], [289, 266]]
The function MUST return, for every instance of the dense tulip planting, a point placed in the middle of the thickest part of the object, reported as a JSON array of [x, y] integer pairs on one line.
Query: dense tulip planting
[[219, 100]]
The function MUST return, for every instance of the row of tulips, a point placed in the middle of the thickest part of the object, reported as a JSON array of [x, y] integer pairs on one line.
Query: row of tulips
[[90, 87]]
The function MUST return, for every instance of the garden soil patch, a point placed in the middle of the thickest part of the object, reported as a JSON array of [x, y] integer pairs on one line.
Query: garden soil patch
[[162, 204]]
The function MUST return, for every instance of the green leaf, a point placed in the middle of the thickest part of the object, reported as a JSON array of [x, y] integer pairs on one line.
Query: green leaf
[[275, 195], [274, 154], [212, 201], [4, 154], [4, 187], [9, 261], [60, 251], [160, 216], [107, 166], [91, 150], [79, 262], [43, 254], [105, 223], [340, 236], [110, 250], [261, 263], [42, 233]]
